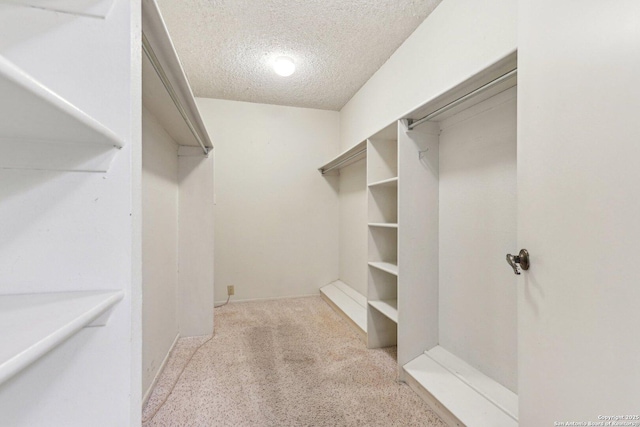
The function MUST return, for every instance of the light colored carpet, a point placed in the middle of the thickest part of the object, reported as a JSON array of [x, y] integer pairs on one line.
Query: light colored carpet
[[290, 362]]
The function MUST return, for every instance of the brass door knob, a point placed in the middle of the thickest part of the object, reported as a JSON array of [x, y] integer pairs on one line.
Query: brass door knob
[[520, 261]]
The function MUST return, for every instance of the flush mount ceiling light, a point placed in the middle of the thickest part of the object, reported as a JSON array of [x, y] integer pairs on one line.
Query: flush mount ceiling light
[[284, 66]]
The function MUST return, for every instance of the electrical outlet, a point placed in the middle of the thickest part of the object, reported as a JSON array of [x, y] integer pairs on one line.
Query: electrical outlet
[[231, 290]]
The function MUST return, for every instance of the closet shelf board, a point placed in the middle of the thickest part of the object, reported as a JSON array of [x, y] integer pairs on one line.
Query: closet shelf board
[[387, 307], [470, 396], [352, 155], [385, 266], [391, 182], [32, 113], [31, 325], [184, 124], [351, 303], [383, 224]]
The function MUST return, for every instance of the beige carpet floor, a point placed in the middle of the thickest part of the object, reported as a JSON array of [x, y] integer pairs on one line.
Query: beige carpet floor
[[289, 362]]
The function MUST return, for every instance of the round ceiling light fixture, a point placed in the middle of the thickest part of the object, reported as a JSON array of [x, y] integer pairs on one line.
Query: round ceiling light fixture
[[284, 66]]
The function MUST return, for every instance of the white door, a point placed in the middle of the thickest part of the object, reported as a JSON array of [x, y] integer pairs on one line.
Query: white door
[[579, 210]]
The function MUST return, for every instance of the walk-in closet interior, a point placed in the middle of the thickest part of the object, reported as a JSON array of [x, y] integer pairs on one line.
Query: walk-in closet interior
[[453, 181]]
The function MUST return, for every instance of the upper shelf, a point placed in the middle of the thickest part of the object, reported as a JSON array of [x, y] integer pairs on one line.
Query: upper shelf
[[166, 92], [31, 325], [352, 155], [42, 130], [92, 8]]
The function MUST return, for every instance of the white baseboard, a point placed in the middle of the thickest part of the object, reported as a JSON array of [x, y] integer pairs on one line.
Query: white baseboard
[[264, 299], [147, 394]]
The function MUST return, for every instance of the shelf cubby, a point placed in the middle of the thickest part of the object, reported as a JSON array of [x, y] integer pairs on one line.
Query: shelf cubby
[[383, 204], [382, 160]]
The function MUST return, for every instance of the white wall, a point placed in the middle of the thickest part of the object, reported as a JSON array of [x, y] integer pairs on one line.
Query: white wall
[[353, 226], [458, 39], [195, 241], [159, 246], [276, 217], [478, 219]]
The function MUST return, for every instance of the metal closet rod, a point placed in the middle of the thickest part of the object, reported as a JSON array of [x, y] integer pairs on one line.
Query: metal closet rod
[[148, 50], [343, 161], [453, 104]]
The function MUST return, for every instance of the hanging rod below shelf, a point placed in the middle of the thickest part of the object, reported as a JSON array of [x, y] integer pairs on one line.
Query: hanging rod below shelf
[[148, 50], [343, 161], [455, 103]]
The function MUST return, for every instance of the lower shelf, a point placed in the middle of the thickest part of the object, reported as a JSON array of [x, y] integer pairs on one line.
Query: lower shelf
[[387, 307], [465, 393], [31, 325], [351, 303]]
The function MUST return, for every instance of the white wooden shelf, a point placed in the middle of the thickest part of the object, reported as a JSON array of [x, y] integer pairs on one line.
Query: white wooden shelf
[[166, 92], [385, 266], [42, 130], [31, 325], [391, 182], [92, 8], [383, 224], [387, 307], [352, 155], [470, 396], [351, 303]]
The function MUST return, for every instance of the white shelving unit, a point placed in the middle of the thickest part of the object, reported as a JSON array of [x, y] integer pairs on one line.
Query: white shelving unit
[[382, 205], [70, 108], [42, 130], [31, 325]]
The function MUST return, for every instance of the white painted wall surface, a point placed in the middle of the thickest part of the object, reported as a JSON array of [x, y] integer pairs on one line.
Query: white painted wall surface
[[77, 231], [159, 246], [458, 39], [478, 210], [578, 205], [195, 241], [276, 217], [353, 226]]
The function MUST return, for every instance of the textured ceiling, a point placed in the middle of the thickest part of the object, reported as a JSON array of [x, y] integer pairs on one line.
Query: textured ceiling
[[226, 46]]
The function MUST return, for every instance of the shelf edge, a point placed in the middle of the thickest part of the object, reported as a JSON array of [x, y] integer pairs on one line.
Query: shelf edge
[[20, 78], [20, 361]]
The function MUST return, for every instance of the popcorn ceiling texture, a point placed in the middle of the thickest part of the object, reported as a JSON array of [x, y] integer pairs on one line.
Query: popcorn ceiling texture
[[289, 362], [226, 46]]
